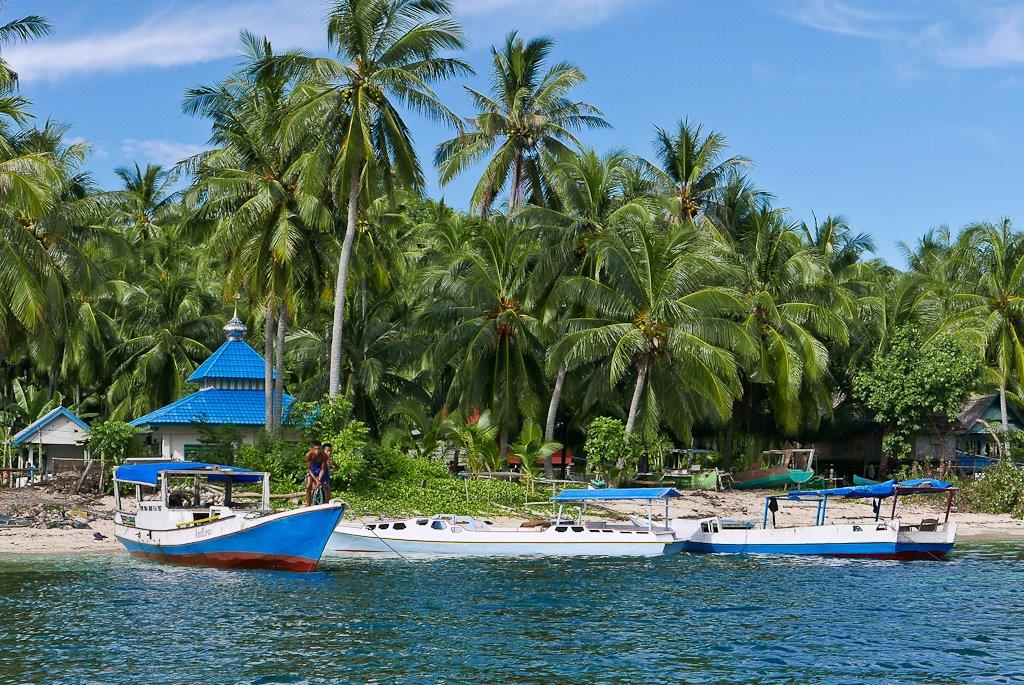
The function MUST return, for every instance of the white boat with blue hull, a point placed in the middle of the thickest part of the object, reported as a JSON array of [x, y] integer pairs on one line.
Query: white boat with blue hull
[[890, 538], [169, 521], [447, 535]]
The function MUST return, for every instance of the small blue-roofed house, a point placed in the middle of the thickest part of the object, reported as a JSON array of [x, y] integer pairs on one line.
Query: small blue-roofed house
[[55, 442], [230, 395]]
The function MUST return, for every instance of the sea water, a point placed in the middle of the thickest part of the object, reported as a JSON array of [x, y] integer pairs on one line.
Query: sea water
[[692, 619]]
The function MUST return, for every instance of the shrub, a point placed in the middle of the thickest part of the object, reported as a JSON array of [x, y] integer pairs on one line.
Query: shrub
[[1000, 490], [611, 454]]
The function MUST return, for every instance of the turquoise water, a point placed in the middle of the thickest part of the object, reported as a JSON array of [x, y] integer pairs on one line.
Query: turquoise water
[[674, 619]]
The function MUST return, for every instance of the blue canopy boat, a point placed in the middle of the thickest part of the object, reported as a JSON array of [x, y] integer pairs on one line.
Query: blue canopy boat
[[173, 520], [877, 538]]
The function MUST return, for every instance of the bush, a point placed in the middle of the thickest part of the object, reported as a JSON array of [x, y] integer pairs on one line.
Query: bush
[[1000, 490], [611, 454], [284, 461]]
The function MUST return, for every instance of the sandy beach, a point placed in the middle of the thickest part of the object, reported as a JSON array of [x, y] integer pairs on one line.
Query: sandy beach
[[93, 516]]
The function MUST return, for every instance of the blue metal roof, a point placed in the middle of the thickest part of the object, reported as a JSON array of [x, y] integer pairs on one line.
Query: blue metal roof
[[149, 472], [918, 486], [233, 359], [615, 493], [215, 406], [26, 434]]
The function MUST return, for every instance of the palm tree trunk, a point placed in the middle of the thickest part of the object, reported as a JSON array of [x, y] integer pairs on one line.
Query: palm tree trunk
[[638, 391], [517, 180], [339, 289], [549, 427], [268, 370], [503, 442], [1003, 415], [282, 328]]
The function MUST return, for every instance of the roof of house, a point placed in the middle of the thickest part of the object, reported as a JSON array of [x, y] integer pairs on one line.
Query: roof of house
[[233, 359], [215, 406], [27, 434], [974, 411]]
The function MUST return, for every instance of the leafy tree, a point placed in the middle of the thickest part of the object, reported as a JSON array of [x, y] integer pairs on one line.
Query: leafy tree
[[910, 387], [19, 30], [611, 451]]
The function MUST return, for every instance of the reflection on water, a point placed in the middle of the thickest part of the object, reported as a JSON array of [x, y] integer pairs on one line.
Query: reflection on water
[[672, 619]]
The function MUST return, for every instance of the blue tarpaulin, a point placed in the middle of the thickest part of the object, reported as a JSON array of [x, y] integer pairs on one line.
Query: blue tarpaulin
[[615, 493], [149, 473], [918, 486]]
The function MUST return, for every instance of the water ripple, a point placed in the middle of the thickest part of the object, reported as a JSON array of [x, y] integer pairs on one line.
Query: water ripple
[[676, 619]]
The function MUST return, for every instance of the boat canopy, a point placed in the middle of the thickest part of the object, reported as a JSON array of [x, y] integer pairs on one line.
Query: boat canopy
[[604, 494], [149, 473], [890, 488]]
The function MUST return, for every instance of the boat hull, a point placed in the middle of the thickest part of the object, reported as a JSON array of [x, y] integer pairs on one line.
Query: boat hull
[[770, 479], [355, 542], [290, 541], [873, 541]]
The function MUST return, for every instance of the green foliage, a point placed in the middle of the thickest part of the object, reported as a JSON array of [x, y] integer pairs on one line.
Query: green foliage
[[999, 490], [612, 455], [910, 387], [283, 460], [115, 441], [349, 445], [323, 419]]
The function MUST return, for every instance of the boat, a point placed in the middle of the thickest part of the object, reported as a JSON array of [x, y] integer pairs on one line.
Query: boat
[[448, 535], [790, 467], [170, 522], [879, 538], [861, 480]]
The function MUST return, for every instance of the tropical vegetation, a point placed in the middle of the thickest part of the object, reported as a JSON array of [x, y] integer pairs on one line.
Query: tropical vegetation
[[662, 290]]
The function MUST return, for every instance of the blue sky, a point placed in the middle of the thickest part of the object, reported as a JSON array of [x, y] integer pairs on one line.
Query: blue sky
[[899, 116]]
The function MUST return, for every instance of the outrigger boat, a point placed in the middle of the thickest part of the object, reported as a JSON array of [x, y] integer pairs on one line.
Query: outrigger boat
[[171, 523], [447, 535], [787, 467], [881, 539]]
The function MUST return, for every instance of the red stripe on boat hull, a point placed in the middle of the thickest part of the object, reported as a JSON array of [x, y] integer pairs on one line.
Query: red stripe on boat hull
[[250, 560], [899, 556]]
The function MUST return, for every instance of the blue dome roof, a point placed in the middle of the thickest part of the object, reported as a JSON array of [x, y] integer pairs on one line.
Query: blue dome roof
[[215, 406], [234, 359]]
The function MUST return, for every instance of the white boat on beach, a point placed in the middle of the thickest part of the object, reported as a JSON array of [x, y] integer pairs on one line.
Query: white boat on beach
[[891, 538], [447, 535]]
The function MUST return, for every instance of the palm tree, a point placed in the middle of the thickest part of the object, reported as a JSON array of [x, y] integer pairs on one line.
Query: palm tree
[[487, 332], [794, 313], [995, 252], [528, 114], [691, 166], [264, 194], [390, 55], [588, 193], [663, 319], [19, 31], [146, 198]]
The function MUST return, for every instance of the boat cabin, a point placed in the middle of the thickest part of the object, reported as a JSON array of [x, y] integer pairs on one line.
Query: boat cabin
[[176, 494], [648, 495]]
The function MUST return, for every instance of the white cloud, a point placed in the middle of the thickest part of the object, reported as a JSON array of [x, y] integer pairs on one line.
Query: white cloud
[[164, 152], [194, 32], [173, 37], [961, 34]]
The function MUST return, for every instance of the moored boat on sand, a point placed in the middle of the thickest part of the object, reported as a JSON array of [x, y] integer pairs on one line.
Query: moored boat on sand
[[890, 538], [788, 467], [171, 523], [447, 535]]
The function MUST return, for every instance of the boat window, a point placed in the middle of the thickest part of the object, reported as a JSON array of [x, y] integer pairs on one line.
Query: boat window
[[705, 527], [437, 525], [399, 526], [422, 522], [371, 526], [384, 526], [456, 529], [560, 529], [577, 529], [857, 528]]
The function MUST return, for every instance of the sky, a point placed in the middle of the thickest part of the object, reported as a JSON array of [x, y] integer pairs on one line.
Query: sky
[[899, 116]]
